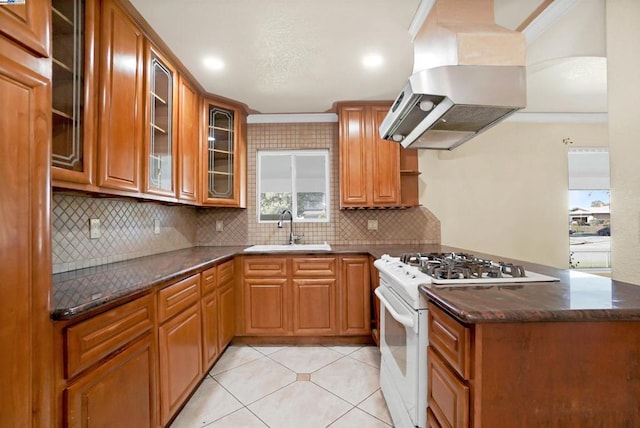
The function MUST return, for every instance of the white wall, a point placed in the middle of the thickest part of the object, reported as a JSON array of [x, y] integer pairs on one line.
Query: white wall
[[505, 192], [623, 37]]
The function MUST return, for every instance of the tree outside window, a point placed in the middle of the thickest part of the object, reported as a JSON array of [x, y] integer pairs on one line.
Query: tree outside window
[[285, 173]]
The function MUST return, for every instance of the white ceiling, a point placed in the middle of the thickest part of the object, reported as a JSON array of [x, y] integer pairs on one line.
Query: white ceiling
[[301, 56]]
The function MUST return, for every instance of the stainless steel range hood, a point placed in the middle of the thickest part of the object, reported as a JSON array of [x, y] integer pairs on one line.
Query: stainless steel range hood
[[468, 75]]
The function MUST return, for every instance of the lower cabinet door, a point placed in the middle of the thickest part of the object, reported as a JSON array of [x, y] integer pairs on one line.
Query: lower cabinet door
[[210, 327], [266, 306], [355, 296], [447, 395], [119, 393], [226, 315], [314, 306], [180, 343]]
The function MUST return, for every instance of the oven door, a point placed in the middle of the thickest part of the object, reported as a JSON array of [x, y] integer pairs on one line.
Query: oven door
[[401, 376]]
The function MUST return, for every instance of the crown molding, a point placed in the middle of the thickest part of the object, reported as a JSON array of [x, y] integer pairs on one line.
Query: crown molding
[[293, 118]]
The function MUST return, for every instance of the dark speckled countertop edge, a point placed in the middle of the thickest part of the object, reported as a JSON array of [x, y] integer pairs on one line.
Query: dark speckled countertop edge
[[530, 315]]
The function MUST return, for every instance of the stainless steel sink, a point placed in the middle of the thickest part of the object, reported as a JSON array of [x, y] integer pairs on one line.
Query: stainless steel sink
[[289, 247]]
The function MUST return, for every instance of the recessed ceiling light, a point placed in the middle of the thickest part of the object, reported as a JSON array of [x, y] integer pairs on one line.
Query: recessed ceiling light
[[372, 61], [213, 63]]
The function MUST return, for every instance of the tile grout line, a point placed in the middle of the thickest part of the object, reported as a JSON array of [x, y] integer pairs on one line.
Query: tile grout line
[[340, 355], [369, 396]]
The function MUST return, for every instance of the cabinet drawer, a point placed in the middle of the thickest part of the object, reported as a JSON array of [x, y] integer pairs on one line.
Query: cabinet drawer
[[225, 272], [177, 297], [447, 395], [90, 341], [265, 266], [209, 280], [451, 339], [314, 266]]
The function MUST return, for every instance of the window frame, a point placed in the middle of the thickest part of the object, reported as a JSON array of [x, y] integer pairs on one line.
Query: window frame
[[261, 153]]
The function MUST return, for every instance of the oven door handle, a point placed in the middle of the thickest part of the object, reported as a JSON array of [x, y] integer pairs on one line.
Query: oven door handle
[[405, 320]]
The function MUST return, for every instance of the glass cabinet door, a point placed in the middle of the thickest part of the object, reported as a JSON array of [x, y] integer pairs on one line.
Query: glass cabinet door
[[160, 160], [220, 152], [68, 84]]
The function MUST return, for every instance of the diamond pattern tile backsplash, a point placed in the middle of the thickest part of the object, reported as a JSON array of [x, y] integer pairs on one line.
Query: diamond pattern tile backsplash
[[127, 225], [126, 230]]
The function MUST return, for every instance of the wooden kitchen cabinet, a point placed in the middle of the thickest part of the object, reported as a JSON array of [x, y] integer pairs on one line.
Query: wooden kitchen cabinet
[[286, 295], [374, 173], [90, 341], [369, 165], [210, 327], [314, 306], [174, 299], [314, 290], [74, 87], [355, 295], [218, 311], [294, 295], [160, 125], [266, 306], [27, 24], [121, 112], [26, 365], [589, 364], [224, 155], [120, 392], [375, 301], [266, 295], [105, 355], [188, 141], [448, 396], [226, 308], [180, 344], [448, 370], [180, 352]]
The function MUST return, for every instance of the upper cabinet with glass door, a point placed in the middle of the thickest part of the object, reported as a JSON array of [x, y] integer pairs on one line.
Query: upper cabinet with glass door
[[224, 157], [160, 147], [73, 87]]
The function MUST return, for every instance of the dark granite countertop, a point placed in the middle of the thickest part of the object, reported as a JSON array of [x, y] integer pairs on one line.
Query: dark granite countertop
[[80, 291], [578, 296]]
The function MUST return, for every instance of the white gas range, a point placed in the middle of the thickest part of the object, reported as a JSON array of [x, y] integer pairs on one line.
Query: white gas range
[[403, 319]]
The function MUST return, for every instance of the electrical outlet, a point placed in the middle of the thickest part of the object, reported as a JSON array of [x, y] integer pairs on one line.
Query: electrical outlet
[[372, 224], [156, 226], [94, 228], [219, 225]]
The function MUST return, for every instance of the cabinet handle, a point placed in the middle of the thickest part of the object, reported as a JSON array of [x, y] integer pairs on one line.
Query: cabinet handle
[[405, 320]]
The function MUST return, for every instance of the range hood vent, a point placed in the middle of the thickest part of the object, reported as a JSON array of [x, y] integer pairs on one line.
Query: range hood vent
[[468, 75]]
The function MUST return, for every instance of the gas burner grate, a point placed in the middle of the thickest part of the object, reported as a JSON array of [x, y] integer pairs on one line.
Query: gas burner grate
[[461, 266]]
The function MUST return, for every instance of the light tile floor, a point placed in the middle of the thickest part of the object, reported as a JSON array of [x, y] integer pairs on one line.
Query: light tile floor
[[292, 386]]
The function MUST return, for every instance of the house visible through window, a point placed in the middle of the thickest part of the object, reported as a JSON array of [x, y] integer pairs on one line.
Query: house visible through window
[[297, 180], [589, 208]]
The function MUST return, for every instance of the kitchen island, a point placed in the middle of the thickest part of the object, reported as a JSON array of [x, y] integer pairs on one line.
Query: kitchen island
[[558, 354]]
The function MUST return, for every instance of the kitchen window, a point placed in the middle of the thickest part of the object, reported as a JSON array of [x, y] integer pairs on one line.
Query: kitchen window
[[589, 208], [297, 180]]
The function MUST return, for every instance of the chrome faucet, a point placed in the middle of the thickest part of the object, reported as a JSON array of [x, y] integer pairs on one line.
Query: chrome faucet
[[293, 238]]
